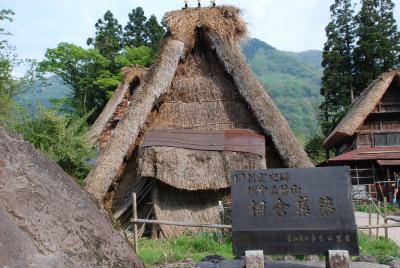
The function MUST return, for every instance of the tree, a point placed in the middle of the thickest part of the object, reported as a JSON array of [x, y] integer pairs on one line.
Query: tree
[[314, 149], [5, 15], [140, 31], [377, 48], [366, 51], [154, 33], [86, 71], [338, 65], [389, 47], [141, 56], [108, 39], [135, 29], [10, 86], [62, 137]]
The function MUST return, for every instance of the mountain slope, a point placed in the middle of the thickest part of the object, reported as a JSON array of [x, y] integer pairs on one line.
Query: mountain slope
[[43, 92], [292, 79]]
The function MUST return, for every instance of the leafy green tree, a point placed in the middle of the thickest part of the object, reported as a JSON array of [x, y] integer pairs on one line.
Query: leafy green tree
[[314, 149], [338, 65], [5, 15], [62, 137], [10, 86], [140, 56], [86, 71], [135, 29], [108, 39]]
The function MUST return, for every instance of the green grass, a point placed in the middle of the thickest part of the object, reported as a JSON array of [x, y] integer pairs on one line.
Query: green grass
[[378, 248], [365, 208], [198, 246], [195, 247]]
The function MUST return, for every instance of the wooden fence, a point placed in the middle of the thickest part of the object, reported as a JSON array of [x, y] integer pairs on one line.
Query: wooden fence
[[370, 226]]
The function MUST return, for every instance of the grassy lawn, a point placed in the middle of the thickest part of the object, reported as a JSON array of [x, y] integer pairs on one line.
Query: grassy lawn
[[378, 248], [198, 246], [195, 247], [392, 209]]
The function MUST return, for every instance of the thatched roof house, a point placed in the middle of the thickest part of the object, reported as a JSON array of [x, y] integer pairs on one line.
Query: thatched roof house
[[362, 107], [367, 139], [199, 114], [106, 122]]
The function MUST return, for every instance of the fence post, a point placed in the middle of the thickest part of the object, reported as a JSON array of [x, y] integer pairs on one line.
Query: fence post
[[135, 217], [370, 216], [377, 218], [385, 219]]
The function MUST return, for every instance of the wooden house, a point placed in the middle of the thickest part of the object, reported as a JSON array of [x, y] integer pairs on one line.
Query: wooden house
[[368, 137]]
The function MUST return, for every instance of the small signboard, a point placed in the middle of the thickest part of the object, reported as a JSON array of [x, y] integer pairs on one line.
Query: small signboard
[[293, 211]]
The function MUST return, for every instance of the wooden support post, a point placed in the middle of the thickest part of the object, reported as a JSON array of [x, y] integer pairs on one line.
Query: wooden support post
[[135, 217], [377, 219], [385, 213], [338, 259], [254, 259], [370, 216]]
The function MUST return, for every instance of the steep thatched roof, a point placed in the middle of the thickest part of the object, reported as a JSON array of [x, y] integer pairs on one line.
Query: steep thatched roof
[[130, 75], [222, 30], [361, 108]]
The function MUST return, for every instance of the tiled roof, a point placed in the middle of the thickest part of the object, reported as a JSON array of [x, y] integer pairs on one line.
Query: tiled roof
[[376, 153]]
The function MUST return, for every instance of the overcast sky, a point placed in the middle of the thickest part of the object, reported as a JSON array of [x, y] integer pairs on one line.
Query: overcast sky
[[292, 25]]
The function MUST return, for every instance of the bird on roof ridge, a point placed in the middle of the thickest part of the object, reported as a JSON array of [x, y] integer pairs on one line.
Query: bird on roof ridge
[[186, 4], [198, 3], [212, 3]]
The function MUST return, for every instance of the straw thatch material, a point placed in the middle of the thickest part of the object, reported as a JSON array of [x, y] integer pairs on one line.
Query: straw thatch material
[[224, 21], [206, 90], [194, 170], [268, 116], [130, 75], [185, 206], [361, 108], [157, 82]]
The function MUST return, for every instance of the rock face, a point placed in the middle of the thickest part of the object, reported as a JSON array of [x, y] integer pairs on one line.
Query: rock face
[[46, 220]]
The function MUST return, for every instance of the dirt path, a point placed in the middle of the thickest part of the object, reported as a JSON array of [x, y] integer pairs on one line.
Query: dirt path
[[362, 219]]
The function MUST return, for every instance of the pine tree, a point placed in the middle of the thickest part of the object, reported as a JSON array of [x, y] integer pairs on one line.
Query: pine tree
[[389, 48], [338, 66], [366, 51], [154, 33], [108, 36], [377, 48], [135, 29]]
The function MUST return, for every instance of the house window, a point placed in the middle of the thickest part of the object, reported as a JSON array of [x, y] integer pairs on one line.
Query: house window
[[387, 139], [365, 140], [393, 139]]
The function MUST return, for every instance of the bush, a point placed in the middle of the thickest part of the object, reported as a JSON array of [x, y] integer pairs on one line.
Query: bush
[[62, 137]]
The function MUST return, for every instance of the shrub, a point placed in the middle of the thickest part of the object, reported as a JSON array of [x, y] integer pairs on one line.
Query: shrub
[[62, 137]]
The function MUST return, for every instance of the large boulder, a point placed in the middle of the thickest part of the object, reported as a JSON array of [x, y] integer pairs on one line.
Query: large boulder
[[47, 220]]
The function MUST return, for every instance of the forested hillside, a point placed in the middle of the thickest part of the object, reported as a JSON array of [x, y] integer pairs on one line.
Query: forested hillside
[[44, 92], [292, 79]]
